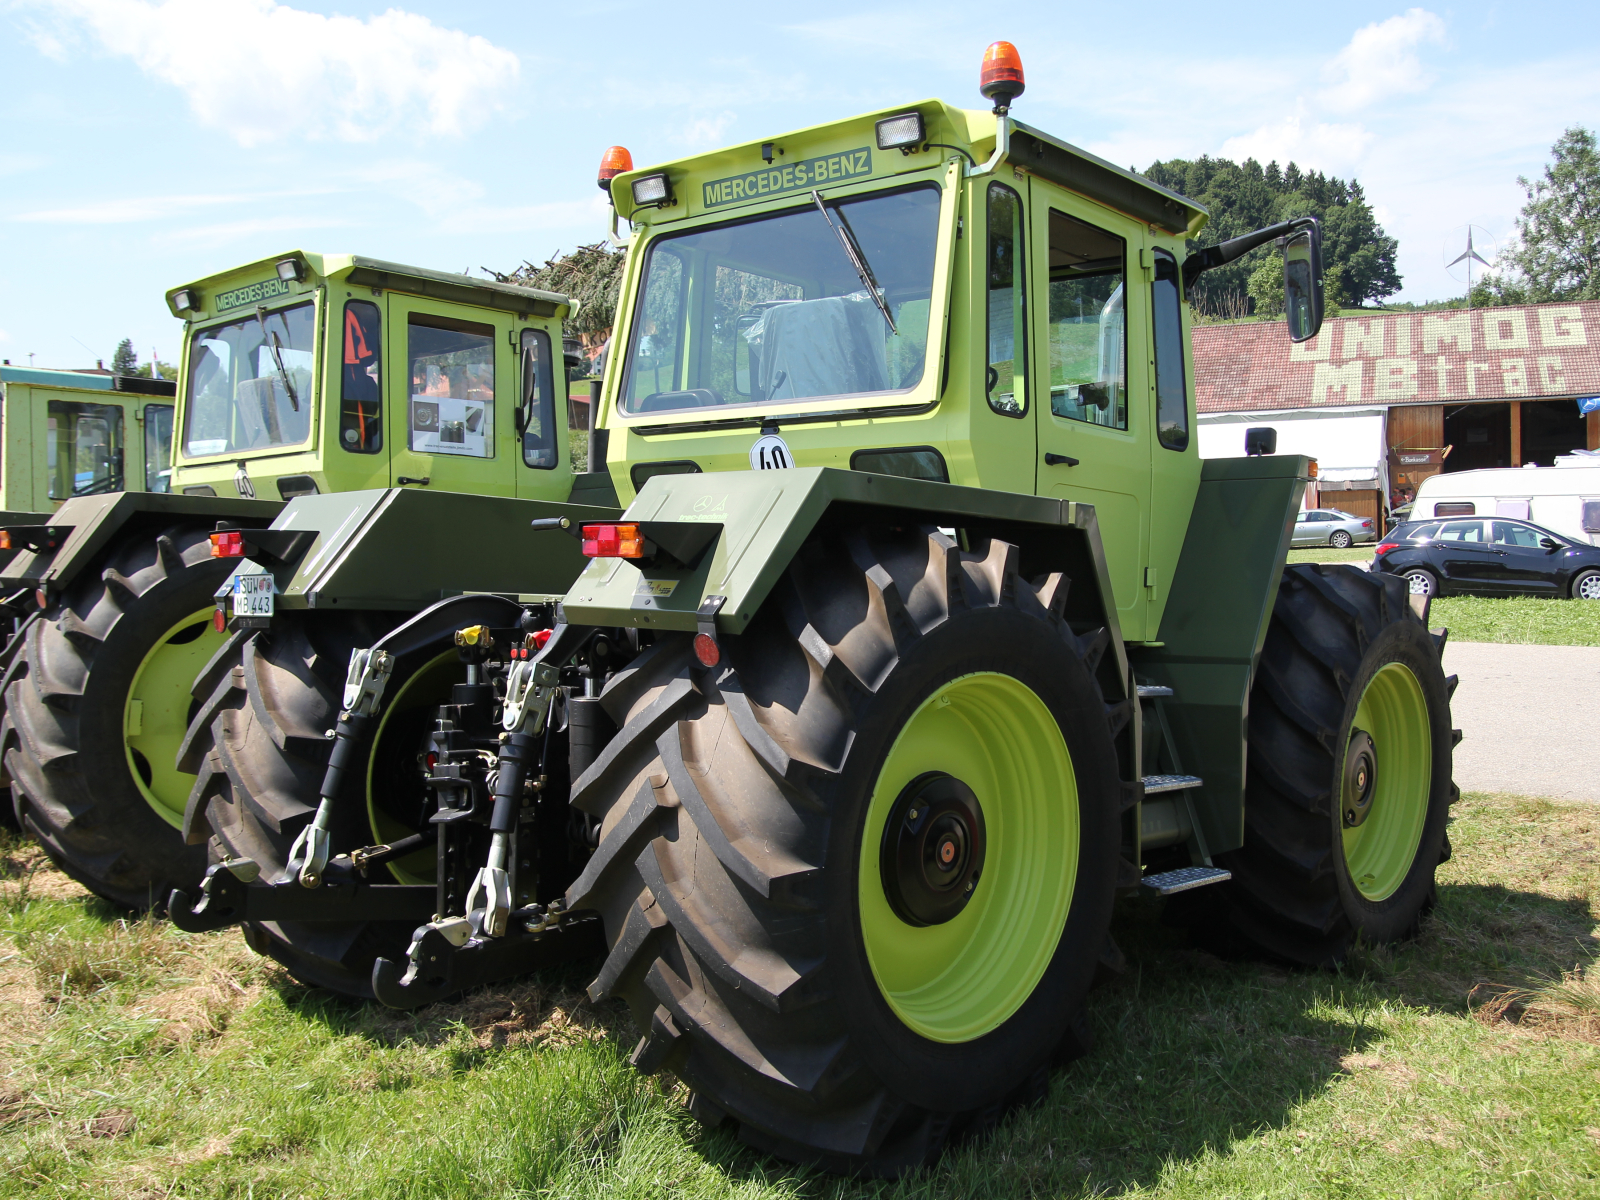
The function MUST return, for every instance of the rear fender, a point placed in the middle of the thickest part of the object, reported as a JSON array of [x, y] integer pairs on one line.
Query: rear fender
[[1216, 623]]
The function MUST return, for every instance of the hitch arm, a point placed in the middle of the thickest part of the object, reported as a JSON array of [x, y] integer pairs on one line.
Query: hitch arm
[[225, 899]]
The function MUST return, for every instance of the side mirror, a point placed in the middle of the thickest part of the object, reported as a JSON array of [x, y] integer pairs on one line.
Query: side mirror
[[1550, 543], [1302, 283], [1263, 439]]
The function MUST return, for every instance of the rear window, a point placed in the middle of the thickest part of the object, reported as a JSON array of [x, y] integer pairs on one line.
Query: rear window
[[1462, 531], [1591, 516], [1454, 508], [1420, 533]]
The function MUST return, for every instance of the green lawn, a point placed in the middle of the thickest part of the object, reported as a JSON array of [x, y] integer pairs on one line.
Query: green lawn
[[142, 1062], [1528, 620]]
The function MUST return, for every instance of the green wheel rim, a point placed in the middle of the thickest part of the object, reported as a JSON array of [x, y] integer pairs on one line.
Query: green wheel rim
[[958, 980], [1379, 851], [155, 715], [422, 688]]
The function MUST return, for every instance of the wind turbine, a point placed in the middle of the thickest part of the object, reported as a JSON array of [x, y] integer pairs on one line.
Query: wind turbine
[[1468, 256]]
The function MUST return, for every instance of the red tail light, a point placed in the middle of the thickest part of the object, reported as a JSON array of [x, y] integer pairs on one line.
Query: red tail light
[[227, 545], [613, 541], [219, 621], [1366, 524], [1385, 547]]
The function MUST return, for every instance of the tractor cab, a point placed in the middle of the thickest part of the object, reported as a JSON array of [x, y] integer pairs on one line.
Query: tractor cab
[[81, 433], [310, 373]]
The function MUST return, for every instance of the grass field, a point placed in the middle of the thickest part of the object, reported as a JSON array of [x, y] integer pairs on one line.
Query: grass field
[[142, 1062], [1529, 620]]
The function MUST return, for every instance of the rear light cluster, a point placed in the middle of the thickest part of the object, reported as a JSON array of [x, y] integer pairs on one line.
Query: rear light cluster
[[1385, 547], [613, 541], [227, 545], [5, 540], [1366, 524]]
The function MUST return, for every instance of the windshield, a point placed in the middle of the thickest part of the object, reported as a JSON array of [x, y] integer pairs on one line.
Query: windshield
[[773, 310], [250, 383]]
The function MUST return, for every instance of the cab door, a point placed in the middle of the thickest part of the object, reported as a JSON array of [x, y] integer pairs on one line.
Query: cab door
[[540, 417], [452, 397], [1090, 323]]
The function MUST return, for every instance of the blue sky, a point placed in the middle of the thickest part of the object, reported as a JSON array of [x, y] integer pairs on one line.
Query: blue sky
[[147, 143]]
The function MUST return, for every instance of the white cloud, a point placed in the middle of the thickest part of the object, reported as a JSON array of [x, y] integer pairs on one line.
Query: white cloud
[[704, 132], [263, 71], [228, 232], [1331, 147], [1381, 61], [128, 209]]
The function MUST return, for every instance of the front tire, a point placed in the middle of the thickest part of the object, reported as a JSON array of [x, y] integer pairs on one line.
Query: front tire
[[1586, 586], [1348, 786], [96, 709], [1340, 539], [774, 921]]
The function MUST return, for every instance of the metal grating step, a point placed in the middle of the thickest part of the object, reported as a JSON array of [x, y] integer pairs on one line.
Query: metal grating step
[[1185, 879], [1154, 785], [1152, 692]]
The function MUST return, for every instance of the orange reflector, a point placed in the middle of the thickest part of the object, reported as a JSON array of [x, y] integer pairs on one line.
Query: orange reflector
[[614, 162], [219, 621], [613, 541], [1313, 471], [5, 540], [227, 545], [1000, 78], [41, 597], [707, 650]]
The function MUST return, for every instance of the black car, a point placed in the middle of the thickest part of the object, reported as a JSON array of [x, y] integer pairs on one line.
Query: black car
[[1489, 556]]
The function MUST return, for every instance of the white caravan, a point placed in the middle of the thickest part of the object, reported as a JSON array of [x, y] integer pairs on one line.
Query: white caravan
[[1565, 499]]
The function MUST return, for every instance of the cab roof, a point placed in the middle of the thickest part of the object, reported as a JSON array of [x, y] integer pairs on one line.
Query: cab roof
[[378, 273], [969, 130]]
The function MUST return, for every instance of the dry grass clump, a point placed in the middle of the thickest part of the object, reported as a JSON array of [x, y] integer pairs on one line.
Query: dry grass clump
[[26, 873], [521, 1013], [1568, 1007]]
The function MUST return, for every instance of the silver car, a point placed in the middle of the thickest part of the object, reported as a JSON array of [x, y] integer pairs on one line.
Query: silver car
[[1331, 527]]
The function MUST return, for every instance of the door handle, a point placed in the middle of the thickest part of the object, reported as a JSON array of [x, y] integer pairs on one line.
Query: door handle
[[405, 479], [1056, 460]]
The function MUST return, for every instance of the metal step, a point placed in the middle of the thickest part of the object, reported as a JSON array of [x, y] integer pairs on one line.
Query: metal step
[[1152, 692], [1185, 879], [1154, 785]]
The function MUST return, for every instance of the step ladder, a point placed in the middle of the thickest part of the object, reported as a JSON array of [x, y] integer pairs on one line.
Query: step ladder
[[1184, 879]]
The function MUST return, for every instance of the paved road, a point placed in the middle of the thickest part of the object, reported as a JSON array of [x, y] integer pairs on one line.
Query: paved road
[[1531, 715]]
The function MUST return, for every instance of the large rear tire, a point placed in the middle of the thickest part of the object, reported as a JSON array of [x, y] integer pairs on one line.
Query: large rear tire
[[96, 707], [1349, 784], [788, 840], [259, 749]]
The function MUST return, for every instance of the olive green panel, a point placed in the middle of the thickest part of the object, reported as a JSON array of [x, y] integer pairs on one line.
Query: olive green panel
[[765, 516], [19, 518], [1216, 622], [403, 549], [96, 520]]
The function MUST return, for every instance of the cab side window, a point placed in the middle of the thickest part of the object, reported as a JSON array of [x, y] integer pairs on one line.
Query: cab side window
[[1088, 324], [451, 365], [1462, 531], [360, 406], [1172, 402], [1006, 382], [158, 447], [536, 410], [83, 449]]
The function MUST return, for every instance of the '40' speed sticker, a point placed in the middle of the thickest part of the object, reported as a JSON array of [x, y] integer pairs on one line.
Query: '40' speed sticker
[[770, 453]]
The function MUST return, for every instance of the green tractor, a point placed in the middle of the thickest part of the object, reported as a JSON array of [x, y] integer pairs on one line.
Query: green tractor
[[924, 634], [303, 375], [68, 434]]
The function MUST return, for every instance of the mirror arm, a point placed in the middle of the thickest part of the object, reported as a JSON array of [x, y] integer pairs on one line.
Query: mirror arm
[[1226, 252]]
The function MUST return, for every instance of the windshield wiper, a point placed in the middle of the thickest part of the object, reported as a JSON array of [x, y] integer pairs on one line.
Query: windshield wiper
[[275, 344], [858, 259]]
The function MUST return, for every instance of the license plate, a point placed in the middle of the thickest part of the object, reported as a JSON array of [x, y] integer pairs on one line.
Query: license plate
[[253, 595]]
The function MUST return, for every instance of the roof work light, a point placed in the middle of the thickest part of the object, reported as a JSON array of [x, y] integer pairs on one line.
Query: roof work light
[[614, 162], [902, 132], [1000, 78], [290, 270], [652, 189]]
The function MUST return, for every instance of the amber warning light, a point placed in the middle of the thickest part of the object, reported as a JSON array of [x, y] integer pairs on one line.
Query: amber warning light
[[1001, 78], [614, 162]]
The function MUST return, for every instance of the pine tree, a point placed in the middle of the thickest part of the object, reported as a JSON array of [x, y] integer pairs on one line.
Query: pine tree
[[124, 361]]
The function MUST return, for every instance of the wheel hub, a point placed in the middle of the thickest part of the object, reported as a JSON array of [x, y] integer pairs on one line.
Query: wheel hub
[[933, 846], [1360, 777]]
